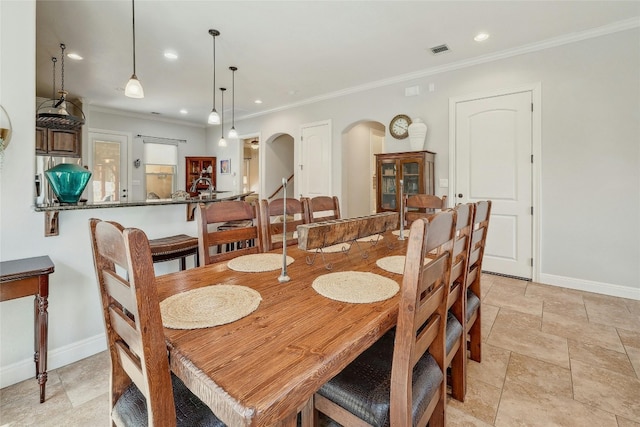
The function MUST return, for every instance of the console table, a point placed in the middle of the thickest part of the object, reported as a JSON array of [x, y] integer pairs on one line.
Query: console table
[[21, 278]]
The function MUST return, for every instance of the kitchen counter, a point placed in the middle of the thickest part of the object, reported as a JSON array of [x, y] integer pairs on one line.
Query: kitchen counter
[[51, 210]]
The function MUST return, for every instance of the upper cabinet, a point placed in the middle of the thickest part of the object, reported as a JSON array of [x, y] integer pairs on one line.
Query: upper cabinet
[[58, 142], [416, 171]]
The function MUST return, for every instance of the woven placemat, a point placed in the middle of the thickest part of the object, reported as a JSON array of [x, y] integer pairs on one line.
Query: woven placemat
[[256, 263], [338, 247], [355, 286], [209, 306], [373, 238], [393, 264], [405, 232]]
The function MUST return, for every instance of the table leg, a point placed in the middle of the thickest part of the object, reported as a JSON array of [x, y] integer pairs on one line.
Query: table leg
[[42, 325], [36, 334]]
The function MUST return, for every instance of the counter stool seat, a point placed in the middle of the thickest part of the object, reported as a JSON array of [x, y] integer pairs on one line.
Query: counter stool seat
[[179, 246]]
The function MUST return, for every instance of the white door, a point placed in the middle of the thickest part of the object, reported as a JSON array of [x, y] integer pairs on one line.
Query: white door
[[108, 154], [493, 138], [313, 175]]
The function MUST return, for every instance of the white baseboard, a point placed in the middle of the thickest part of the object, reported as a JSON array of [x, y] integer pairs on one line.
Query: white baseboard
[[590, 286], [25, 369]]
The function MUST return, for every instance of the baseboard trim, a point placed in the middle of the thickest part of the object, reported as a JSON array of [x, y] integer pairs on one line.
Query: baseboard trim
[[591, 286], [25, 369]]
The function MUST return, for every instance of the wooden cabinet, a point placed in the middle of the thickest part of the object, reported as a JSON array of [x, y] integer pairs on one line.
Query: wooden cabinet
[[200, 166], [415, 169], [58, 142]]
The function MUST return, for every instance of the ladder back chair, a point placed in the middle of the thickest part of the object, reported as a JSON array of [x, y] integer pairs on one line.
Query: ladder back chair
[[476, 253], [327, 208], [143, 391], [226, 230], [271, 221], [456, 356], [400, 380], [423, 206]]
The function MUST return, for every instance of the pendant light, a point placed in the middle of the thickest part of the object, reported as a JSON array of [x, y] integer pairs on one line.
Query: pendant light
[[214, 117], [232, 133], [222, 142], [134, 88]]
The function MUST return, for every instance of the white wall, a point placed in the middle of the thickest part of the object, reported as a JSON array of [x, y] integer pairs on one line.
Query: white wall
[[590, 189]]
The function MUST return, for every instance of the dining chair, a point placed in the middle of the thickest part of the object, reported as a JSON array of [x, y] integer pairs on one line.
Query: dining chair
[[226, 230], [456, 342], [271, 218], [423, 205], [473, 309], [321, 208], [400, 380], [143, 390]]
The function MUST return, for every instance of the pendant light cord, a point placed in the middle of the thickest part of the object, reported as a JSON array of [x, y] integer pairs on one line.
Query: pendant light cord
[[214, 72], [133, 10]]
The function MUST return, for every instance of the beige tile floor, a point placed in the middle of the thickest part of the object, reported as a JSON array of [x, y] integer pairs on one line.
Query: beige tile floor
[[551, 357]]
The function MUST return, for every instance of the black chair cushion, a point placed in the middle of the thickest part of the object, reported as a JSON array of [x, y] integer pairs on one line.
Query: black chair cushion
[[473, 302], [453, 331], [131, 408], [364, 387]]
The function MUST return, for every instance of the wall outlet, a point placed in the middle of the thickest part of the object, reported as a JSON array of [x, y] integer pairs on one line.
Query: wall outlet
[[444, 183]]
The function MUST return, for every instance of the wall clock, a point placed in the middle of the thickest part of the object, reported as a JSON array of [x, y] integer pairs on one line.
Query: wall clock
[[399, 126]]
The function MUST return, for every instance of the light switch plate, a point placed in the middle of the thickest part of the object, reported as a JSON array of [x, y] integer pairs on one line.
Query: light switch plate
[[444, 182]]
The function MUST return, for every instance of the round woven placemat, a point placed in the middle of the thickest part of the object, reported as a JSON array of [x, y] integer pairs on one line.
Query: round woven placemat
[[209, 306], [256, 263], [372, 238], [393, 264], [355, 286], [338, 247]]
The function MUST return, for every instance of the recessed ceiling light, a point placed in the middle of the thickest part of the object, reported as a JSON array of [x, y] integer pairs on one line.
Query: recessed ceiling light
[[75, 56], [171, 55], [183, 111], [258, 101], [481, 37]]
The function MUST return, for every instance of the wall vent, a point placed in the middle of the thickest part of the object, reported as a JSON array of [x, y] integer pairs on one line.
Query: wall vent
[[440, 49]]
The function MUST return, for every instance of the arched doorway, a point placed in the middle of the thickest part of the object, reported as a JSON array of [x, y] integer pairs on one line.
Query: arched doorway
[[360, 141], [277, 157]]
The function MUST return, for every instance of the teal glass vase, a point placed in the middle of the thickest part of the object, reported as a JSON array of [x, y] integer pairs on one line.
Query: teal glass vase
[[68, 181]]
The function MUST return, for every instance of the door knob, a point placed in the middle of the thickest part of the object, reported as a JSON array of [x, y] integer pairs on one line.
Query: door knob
[[460, 195]]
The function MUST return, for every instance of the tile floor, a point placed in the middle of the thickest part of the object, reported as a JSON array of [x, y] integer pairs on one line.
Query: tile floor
[[551, 357]]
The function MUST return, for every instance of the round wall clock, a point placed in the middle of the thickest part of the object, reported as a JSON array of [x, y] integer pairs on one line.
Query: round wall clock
[[399, 126]]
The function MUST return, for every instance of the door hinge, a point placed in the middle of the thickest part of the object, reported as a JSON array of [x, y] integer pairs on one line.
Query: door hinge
[[532, 106], [532, 158], [531, 262], [531, 210]]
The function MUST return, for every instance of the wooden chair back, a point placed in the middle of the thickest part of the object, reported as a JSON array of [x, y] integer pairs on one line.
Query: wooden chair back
[[124, 269], [242, 239], [474, 274], [321, 208], [423, 206], [271, 221], [422, 315]]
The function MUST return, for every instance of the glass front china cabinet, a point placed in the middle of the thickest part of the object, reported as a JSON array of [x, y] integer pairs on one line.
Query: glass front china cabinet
[[415, 169]]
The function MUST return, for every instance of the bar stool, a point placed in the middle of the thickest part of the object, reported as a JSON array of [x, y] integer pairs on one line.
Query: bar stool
[[173, 247]]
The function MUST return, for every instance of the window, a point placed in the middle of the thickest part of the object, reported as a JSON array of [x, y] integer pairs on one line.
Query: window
[[160, 169]]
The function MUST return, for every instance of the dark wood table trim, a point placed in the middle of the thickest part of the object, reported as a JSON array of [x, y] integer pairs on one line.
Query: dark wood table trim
[[24, 277]]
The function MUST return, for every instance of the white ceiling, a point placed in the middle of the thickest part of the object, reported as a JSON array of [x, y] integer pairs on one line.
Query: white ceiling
[[287, 52]]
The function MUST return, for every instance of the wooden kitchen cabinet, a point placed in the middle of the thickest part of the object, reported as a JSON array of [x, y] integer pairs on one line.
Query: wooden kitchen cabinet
[[199, 166], [416, 169], [58, 142]]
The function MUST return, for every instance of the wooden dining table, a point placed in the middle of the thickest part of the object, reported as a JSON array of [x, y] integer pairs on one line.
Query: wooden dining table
[[264, 369]]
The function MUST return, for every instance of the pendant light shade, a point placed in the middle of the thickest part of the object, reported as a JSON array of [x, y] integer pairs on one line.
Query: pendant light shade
[[134, 88], [222, 142], [233, 134], [214, 117]]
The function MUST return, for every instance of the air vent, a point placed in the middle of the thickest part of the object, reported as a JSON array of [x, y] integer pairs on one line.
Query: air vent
[[440, 49]]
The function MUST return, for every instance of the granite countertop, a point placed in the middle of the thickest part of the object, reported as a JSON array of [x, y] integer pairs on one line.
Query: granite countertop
[[149, 202]]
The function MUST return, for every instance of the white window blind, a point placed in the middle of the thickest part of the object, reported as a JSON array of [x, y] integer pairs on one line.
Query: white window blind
[[160, 154]]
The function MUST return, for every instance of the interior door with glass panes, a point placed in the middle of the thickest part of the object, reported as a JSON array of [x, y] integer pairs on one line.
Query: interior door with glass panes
[[109, 154]]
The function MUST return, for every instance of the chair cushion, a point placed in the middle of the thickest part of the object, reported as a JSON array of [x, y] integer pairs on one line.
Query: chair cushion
[[453, 331], [131, 408], [473, 302], [364, 387]]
